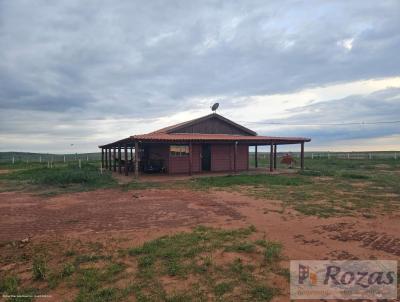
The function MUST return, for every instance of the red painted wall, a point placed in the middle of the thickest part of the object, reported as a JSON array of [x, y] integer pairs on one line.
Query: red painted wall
[[242, 160], [222, 159], [196, 158], [179, 164]]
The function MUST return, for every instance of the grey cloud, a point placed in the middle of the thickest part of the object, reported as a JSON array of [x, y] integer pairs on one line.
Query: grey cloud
[[381, 106], [155, 54], [136, 59]]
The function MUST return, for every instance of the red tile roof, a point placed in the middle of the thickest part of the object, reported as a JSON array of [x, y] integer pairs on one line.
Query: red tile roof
[[175, 128], [212, 137], [165, 135]]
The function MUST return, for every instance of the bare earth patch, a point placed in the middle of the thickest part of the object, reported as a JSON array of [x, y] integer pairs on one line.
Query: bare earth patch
[[25, 215], [118, 219]]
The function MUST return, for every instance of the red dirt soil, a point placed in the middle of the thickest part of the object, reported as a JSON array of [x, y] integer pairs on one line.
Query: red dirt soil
[[145, 214], [103, 212]]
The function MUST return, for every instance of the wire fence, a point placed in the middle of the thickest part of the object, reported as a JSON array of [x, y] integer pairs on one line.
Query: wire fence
[[336, 155], [19, 157], [264, 157], [352, 155]]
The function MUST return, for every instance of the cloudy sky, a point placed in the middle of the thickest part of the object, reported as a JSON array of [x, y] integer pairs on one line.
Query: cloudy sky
[[89, 72]]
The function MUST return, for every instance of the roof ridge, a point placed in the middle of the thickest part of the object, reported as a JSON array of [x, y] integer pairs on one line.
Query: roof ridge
[[168, 129], [165, 129]]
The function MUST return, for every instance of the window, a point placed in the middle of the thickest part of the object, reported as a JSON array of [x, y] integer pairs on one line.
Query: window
[[179, 150]]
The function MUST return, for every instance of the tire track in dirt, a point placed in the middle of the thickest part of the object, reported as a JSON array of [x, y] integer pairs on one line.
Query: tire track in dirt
[[378, 241]]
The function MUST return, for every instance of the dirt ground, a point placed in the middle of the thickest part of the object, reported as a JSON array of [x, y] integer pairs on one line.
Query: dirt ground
[[146, 214], [153, 211]]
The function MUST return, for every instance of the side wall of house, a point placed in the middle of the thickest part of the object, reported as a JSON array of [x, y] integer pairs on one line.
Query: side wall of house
[[242, 157], [181, 164], [178, 165], [223, 155], [196, 158], [222, 159]]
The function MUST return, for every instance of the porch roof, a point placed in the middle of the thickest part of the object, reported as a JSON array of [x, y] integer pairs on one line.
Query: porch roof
[[206, 138]]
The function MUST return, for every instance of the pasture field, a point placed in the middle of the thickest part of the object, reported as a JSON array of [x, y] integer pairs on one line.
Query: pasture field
[[75, 234]]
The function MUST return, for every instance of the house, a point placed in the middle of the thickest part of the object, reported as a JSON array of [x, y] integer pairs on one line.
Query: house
[[208, 143]]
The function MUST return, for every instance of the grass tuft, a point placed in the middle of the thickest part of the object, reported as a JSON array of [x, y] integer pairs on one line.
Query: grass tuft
[[39, 268], [272, 252]]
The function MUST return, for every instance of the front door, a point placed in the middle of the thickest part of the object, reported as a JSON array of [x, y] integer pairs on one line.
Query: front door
[[206, 157]]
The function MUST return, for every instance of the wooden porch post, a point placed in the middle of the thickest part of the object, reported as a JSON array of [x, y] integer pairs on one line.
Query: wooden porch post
[[109, 159], [106, 158], [271, 157], [248, 158], [190, 158], [115, 159], [302, 156], [119, 160], [256, 157], [131, 160], [275, 147], [102, 158], [235, 158], [136, 159], [126, 159]]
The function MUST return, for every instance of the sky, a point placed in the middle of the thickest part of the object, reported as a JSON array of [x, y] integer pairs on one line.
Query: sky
[[77, 74]]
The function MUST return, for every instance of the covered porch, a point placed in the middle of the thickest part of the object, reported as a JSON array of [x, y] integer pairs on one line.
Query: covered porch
[[133, 155]]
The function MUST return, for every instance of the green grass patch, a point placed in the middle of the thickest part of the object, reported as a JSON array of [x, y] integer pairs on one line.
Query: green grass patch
[[222, 288], [194, 260], [248, 180], [354, 176], [185, 254], [89, 258], [262, 293], [320, 210], [272, 252], [138, 185], [39, 268], [67, 177], [328, 187], [241, 247], [11, 286]]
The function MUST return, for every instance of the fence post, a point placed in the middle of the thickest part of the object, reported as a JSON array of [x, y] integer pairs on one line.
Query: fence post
[[395, 155], [101, 168], [13, 160], [80, 164], [312, 155], [348, 155], [329, 156], [48, 164], [87, 157], [370, 156], [40, 158], [64, 158]]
